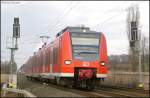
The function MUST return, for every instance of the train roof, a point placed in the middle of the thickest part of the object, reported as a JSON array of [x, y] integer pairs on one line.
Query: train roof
[[76, 29]]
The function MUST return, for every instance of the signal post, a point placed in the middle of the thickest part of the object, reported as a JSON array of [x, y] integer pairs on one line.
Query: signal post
[[16, 35]]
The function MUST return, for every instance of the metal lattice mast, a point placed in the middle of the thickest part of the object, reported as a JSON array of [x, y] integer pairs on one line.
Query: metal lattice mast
[[134, 36], [44, 40], [15, 36]]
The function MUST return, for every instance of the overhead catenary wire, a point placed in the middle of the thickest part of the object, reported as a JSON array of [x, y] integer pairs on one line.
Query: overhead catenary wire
[[58, 21], [55, 20], [118, 14], [30, 41], [63, 25], [38, 36], [54, 26]]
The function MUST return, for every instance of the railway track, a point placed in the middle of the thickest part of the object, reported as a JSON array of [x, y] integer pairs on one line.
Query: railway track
[[120, 93], [101, 92], [131, 90], [98, 92], [113, 94]]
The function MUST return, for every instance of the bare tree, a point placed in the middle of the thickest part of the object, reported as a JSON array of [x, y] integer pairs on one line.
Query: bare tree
[[5, 67]]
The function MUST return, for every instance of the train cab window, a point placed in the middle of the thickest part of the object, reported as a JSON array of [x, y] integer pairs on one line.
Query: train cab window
[[85, 46]]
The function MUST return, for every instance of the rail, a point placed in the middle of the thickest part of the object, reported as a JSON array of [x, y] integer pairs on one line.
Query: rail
[[24, 92]]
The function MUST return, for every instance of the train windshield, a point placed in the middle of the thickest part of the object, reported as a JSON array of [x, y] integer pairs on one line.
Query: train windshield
[[85, 46]]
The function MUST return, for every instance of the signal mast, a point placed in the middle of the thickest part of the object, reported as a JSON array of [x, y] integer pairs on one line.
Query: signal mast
[[134, 36]]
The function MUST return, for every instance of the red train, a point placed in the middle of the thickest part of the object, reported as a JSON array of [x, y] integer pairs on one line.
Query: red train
[[77, 57]]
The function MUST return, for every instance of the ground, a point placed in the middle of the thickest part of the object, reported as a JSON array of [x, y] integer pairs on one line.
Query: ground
[[43, 90]]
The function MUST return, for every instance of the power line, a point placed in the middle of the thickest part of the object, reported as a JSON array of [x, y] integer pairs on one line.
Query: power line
[[63, 25], [50, 24], [58, 21], [57, 17], [38, 34], [118, 14]]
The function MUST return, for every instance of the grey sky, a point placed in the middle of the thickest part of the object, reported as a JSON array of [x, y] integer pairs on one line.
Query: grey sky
[[39, 18]]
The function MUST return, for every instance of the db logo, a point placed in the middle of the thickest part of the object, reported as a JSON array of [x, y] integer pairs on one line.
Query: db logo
[[86, 64]]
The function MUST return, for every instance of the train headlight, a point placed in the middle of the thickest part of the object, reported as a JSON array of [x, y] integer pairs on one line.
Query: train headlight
[[67, 62], [103, 63]]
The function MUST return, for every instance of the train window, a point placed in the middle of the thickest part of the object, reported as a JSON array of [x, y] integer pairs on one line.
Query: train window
[[85, 41], [85, 35], [85, 46]]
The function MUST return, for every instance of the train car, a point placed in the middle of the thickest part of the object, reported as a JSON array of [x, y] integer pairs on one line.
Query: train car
[[77, 57]]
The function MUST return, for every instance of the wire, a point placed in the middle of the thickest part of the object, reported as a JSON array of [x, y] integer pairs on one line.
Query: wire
[[118, 14], [45, 30], [27, 42], [58, 21], [64, 25], [62, 16], [54, 21]]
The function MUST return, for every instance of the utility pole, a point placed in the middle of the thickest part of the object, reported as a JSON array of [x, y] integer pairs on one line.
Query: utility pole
[[134, 36], [16, 35], [44, 40]]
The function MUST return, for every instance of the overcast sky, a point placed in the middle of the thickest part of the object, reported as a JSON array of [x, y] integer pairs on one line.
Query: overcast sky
[[49, 17]]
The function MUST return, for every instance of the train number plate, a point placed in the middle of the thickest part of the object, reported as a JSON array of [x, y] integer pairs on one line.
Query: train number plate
[[86, 64]]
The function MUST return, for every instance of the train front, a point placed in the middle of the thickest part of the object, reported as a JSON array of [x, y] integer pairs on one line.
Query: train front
[[89, 57]]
